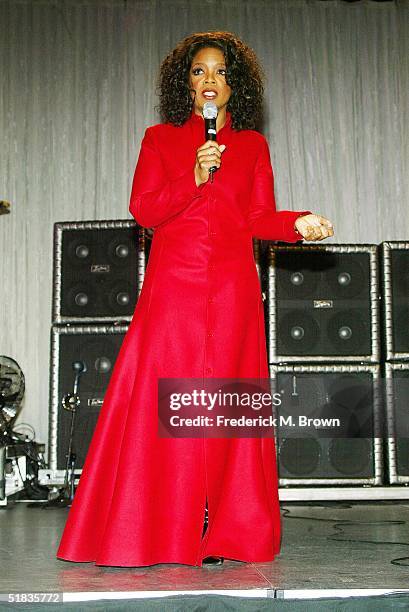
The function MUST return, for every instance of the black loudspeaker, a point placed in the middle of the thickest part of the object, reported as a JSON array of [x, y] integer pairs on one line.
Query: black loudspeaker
[[98, 272], [323, 303], [97, 346], [395, 290], [312, 447], [397, 418]]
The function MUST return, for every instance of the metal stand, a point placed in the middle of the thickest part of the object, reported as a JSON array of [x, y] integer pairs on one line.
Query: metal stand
[[71, 402]]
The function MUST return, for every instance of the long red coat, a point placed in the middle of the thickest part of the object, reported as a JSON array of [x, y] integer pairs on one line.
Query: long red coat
[[141, 499]]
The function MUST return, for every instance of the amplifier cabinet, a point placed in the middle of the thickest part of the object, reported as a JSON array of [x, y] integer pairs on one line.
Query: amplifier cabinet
[[97, 346], [395, 290], [323, 303], [99, 267], [335, 432], [397, 419]]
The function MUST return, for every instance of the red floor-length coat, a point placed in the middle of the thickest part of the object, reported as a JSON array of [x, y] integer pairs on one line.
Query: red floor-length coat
[[141, 498]]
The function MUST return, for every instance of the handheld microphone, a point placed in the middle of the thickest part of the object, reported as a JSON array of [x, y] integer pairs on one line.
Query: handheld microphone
[[210, 112]]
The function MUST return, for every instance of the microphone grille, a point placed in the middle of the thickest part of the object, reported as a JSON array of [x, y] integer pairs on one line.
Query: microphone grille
[[210, 110]]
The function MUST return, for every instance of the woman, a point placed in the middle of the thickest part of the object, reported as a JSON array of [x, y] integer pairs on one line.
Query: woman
[[141, 498]]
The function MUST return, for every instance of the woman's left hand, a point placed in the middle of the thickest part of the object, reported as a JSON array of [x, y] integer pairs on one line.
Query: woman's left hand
[[314, 227]]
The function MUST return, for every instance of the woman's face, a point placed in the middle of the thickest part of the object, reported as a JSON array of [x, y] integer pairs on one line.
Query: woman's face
[[207, 76]]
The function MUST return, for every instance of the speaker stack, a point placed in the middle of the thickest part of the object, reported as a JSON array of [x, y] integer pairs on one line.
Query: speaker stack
[[324, 345], [337, 337], [98, 271], [395, 314]]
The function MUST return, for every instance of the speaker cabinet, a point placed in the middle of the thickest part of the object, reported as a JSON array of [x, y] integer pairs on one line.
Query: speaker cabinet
[[395, 290], [99, 268], [323, 303], [397, 418], [325, 452], [97, 346]]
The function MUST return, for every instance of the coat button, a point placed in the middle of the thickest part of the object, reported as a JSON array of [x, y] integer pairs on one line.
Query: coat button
[[210, 334], [210, 300], [209, 370]]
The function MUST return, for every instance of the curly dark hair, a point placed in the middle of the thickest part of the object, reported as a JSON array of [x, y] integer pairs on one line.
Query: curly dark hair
[[243, 74]]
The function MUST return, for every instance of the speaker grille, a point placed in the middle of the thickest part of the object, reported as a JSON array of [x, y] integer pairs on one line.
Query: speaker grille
[[98, 347], [98, 270], [350, 453], [323, 303], [397, 418], [395, 285]]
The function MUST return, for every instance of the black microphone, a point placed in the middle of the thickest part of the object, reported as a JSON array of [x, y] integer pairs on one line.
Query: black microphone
[[210, 112], [79, 366]]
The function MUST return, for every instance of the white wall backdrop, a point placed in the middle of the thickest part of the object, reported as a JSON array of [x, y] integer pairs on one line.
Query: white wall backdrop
[[78, 90]]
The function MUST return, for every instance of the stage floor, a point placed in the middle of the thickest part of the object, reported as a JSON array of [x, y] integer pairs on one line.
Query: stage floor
[[326, 545]]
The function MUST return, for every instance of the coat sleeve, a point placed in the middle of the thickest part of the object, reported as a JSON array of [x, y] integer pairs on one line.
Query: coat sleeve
[[154, 198], [265, 221]]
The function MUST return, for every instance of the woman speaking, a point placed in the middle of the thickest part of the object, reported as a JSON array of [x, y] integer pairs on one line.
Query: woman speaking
[[143, 499]]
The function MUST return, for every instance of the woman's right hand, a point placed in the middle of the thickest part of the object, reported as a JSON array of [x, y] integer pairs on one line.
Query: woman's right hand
[[207, 156]]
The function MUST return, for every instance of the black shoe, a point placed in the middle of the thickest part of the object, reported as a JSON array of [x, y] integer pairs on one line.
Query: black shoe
[[213, 560]]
